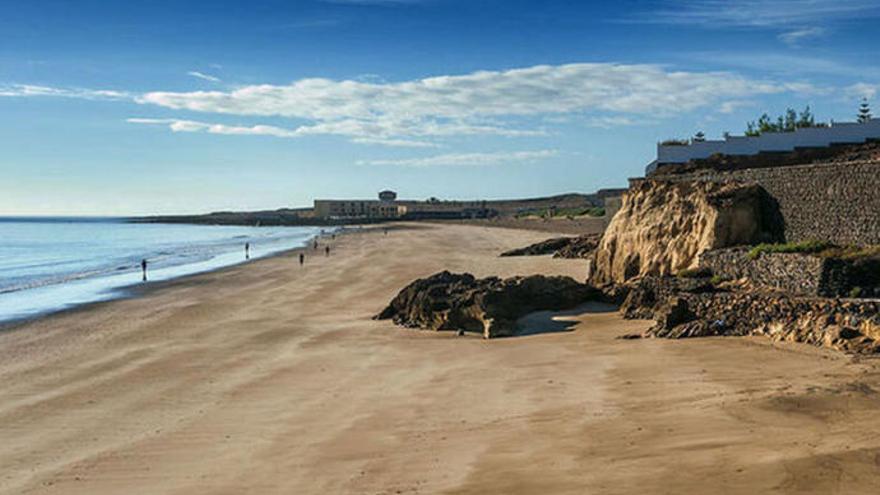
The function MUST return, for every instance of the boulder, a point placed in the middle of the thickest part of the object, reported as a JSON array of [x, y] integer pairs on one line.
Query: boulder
[[489, 306]]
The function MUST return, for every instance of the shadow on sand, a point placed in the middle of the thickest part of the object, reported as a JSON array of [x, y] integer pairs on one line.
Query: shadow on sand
[[558, 321]]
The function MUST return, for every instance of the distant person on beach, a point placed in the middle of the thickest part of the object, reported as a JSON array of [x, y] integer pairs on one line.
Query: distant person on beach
[[326, 250], [315, 245], [302, 259], [385, 230], [247, 250], [144, 268]]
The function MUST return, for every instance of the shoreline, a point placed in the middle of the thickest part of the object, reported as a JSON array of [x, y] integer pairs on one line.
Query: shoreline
[[273, 379], [139, 289]]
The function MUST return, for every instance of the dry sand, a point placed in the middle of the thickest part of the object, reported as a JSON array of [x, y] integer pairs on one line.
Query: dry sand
[[268, 378]]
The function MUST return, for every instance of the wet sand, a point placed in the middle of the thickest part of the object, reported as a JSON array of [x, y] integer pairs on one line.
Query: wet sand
[[270, 378]]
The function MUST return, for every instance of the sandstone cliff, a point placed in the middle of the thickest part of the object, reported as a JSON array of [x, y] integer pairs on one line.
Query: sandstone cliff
[[663, 227]]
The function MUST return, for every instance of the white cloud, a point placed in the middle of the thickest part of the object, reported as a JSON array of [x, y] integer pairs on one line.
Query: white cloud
[[760, 13], [402, 143], [466, 159], [480, 103], [417, 113], [529, 91], [202, 75], [862, 90], [797, 36], [181, 125], [612, 121], [30, 90], [733, 105]]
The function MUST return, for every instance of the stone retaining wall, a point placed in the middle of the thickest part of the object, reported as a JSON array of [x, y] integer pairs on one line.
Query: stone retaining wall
[[835, 202], [794, 273]]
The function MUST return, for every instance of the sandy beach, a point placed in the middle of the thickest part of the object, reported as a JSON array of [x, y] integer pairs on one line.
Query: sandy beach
[[271, 378]]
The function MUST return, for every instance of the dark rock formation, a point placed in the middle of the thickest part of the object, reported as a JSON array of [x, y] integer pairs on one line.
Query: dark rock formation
[[549, 246], [579, 247], [560, 247], [693, 308], [490, 306]]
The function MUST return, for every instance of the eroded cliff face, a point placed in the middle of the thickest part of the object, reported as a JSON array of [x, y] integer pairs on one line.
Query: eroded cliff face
[[663, 227]]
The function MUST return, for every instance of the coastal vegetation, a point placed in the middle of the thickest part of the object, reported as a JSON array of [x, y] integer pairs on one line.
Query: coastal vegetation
[[790, 121], [819, 248], [805, 247], [864, 111], [551, 212]]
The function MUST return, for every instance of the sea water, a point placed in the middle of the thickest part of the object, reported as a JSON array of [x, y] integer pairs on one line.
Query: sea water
[[49, 264]]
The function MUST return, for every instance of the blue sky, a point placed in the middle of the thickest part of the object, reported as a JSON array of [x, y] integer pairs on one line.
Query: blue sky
[[173, 107]]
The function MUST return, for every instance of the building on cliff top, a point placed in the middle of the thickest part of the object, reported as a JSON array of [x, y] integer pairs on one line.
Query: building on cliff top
[[809, 137]]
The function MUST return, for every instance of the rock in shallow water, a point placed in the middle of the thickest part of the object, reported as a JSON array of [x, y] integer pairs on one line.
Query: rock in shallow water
[[490, 306]]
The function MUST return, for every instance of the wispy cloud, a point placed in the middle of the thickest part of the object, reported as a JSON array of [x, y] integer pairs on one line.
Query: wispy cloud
[[759, 13], [181, 125], [541, 89], [30, 90], [203, 76], [513, 103], [862, 90], [609, 122], [480, 103], [733, 105], [780, 64], [467, 159], [796, 37]]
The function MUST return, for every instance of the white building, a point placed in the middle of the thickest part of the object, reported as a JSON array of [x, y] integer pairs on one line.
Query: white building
[[809, 137]]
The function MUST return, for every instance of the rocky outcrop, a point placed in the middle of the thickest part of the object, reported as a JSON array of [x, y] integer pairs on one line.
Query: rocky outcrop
[[663, 227], [550, 246], [560, 247], [696, 308], [579, 247], [489, 306]]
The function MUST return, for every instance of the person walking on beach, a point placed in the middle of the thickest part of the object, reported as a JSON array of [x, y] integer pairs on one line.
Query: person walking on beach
[[302, 259], [315, 245], [144, 268], [247, 250], [327, 250]]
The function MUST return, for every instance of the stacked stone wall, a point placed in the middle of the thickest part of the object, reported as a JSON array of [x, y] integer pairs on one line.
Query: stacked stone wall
[[835, 202]]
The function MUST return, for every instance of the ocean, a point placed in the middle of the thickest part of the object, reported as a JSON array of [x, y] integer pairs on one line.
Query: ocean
[[50, 264]]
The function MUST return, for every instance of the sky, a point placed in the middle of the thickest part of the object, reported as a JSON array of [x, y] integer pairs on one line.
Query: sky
[[163, 106]]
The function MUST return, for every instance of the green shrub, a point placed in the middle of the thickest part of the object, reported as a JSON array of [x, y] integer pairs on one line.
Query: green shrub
[[806, 247], [855, 292], [853, 253], [717, 279], [593, 211], [698, 272]]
